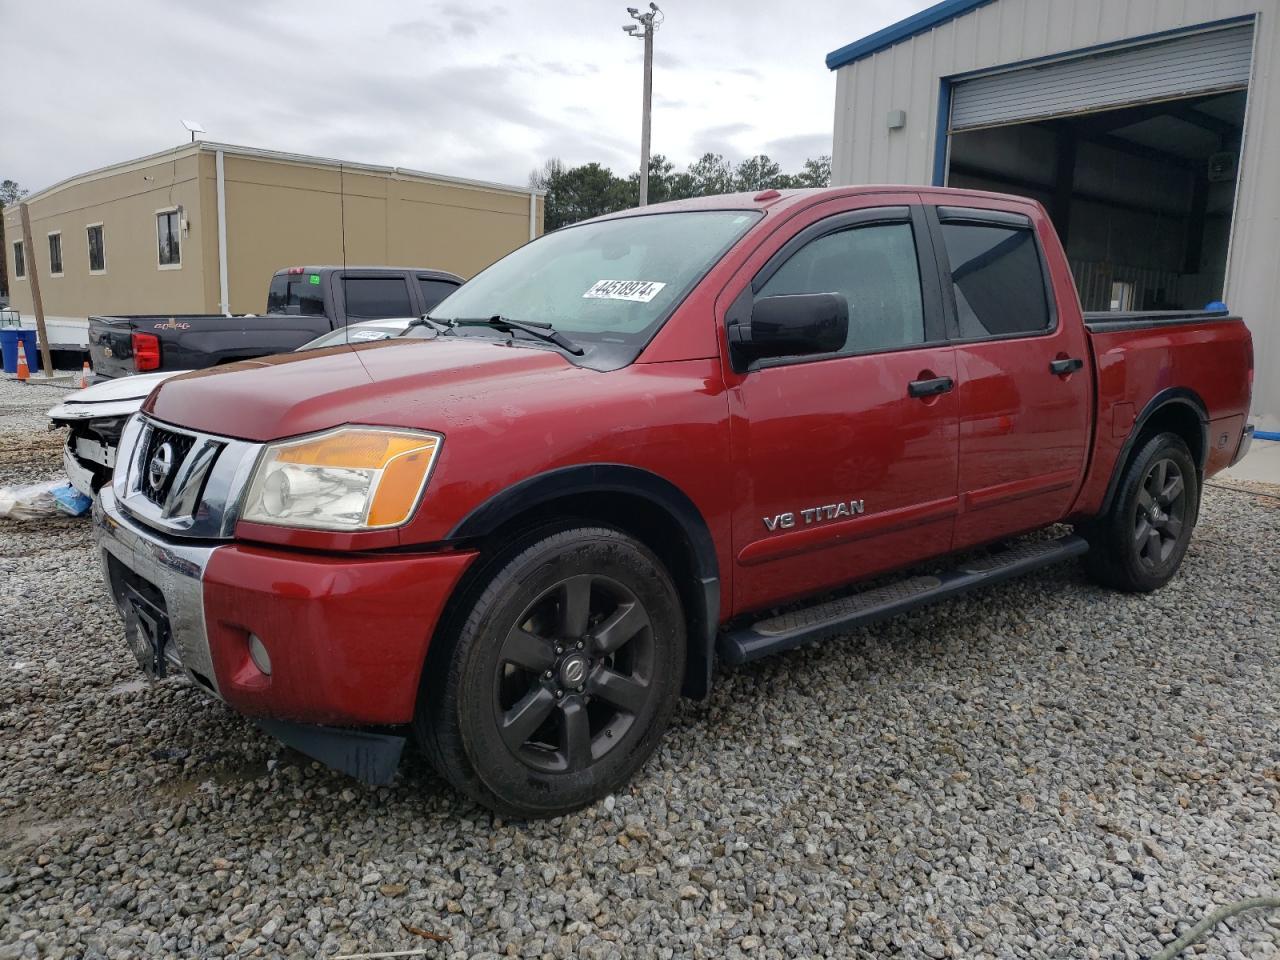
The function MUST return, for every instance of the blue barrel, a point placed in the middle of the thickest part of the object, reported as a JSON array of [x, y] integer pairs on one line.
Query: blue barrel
[[9, 348]]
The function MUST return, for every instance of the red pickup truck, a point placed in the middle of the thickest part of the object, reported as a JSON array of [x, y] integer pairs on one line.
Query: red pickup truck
[[640, 445]]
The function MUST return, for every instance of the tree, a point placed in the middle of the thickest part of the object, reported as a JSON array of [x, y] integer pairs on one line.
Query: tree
[[10, 193], [815, 173], [757, 173], [590, 190], [711, 174]]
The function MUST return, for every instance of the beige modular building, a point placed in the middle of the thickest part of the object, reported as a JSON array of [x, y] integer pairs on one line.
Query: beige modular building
[[202, 228], [1150, 130]]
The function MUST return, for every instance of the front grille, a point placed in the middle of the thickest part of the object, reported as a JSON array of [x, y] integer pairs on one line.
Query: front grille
[[179, 445]]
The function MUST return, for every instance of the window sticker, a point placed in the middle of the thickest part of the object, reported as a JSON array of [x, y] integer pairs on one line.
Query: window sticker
[[368, 335], [637, 291], [315, 279]]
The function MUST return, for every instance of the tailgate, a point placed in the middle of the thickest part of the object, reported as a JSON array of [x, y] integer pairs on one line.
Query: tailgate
[[111, 346]]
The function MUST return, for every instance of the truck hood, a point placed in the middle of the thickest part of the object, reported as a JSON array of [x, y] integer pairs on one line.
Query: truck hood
[[427, 384], [110, 398]]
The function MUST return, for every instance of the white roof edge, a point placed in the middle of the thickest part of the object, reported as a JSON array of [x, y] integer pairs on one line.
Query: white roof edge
[[286, 157], [186, 149]]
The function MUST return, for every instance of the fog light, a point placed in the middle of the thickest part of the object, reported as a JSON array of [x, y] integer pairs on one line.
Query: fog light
[[258, 654]]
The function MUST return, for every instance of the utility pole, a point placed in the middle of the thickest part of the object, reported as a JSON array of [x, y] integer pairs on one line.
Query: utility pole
[[647, 23], [32, 270]]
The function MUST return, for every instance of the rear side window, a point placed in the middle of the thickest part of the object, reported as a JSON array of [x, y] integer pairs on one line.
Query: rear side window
[[876, 269], [377, 297], [296, 294], [998, 281], [433, 291]]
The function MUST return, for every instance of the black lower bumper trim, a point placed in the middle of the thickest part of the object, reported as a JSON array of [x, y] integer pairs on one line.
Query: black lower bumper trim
[[371, 757]]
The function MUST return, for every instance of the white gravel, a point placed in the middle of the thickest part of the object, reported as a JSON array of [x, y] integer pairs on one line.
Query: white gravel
[[1044, 769]]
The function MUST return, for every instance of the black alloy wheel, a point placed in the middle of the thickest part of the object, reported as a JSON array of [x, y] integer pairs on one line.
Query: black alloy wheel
[[575, 671], [1161, 513], [553, 681]]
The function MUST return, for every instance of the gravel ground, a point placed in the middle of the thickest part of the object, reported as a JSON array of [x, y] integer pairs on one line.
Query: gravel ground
[[1044, 769]]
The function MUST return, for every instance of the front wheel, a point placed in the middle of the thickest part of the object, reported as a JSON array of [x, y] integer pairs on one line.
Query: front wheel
[[561, 678], [1139, 543]]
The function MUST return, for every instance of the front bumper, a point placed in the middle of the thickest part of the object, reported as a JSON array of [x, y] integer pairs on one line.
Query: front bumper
[[347, 635]]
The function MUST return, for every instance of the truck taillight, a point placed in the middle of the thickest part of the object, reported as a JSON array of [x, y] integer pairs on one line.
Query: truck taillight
[[146, 352]]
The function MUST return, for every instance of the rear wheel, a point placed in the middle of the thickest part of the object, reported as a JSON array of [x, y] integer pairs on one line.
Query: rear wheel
[[1139, 544], [562, 676]]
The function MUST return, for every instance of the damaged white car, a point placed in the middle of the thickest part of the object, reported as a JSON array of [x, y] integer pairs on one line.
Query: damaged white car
[[96, 415]]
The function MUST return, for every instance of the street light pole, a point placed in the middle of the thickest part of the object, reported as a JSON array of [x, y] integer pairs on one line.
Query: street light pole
[[648, 22]]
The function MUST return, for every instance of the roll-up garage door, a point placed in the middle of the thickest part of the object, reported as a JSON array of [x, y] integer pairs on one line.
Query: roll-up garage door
[[1187, 66]]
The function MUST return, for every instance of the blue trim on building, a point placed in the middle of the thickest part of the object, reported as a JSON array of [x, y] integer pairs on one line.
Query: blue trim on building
[[926, 19], [942, 135]]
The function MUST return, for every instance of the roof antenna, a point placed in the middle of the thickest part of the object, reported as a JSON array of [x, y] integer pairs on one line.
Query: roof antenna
[[342, 218]]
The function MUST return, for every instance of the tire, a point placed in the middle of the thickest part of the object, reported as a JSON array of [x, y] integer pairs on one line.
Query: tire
[[1138, 545], [561, 675]]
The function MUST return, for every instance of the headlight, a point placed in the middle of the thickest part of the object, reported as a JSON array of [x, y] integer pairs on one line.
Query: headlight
[[352, 478]]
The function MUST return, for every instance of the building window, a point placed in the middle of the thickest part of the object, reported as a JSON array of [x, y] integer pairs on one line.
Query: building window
[[97, 251], [168, 223], [19, 261], [55, 254]]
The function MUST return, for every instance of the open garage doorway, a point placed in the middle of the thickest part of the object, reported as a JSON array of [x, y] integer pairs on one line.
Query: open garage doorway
[[1142, 196]]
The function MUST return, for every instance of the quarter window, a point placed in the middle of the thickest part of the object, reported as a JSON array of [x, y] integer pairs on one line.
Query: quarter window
[[167, 229], [19, 261], [55, 254], [876, 269], [377, 297], [97, 252], [998, 281]]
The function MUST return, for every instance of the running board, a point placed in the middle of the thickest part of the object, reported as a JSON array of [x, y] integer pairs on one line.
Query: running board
[[789, 630]]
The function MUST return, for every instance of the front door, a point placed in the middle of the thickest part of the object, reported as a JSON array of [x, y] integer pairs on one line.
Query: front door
[[846, 463]]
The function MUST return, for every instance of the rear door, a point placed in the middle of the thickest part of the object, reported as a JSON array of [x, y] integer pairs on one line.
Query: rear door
[[1022, 359], [841, 471]]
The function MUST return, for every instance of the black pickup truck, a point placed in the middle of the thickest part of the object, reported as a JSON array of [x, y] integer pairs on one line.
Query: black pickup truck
[[302, 304]]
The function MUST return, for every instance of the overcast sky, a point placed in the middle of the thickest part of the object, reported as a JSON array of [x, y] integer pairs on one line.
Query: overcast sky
[[470, 89]]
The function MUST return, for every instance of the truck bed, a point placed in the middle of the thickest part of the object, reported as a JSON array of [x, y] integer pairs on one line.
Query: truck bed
[[194, 341]]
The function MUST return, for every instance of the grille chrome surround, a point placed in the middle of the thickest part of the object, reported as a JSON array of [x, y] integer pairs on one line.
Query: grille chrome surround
[[199, 495]]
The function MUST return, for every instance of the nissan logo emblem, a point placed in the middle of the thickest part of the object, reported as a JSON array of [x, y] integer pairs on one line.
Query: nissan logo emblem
[[574, 672], [160, 466]]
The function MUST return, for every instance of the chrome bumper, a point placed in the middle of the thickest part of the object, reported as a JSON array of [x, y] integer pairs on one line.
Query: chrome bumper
[[176, 571], [1246, 441]]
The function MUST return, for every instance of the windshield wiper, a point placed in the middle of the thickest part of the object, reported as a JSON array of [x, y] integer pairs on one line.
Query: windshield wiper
[[543, 331], [439, 326]]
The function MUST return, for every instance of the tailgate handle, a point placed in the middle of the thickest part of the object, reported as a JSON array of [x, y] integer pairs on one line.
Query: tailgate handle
[[1061, 368], [930, 388]]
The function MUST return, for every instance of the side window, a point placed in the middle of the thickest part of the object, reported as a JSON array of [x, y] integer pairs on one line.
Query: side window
[[876, 269], [433, 291], [997, 278], [377, 297]]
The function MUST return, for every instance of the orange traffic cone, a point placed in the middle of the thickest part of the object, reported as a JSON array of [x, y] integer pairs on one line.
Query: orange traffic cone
[[84, 375], [24, 372]]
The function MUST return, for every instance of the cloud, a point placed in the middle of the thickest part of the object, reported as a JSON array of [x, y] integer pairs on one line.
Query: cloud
[[486, 90]]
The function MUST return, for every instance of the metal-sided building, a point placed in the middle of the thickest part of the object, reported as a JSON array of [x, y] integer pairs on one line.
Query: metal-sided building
[[201, 229], [1150, 129]]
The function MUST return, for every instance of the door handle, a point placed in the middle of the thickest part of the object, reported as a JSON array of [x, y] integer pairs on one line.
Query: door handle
[[1061, 368], [930, 388]]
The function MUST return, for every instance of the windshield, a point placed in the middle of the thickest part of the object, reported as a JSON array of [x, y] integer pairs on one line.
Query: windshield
[[296, 293], [614, 281]]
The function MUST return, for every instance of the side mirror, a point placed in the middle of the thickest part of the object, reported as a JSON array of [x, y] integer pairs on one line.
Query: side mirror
[[795, 325]]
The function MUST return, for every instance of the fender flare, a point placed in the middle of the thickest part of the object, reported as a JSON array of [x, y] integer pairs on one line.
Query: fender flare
[[594, 478], [1169, 397]]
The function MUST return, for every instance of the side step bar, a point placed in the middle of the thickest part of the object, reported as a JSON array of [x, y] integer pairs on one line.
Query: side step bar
[[798, 627]]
